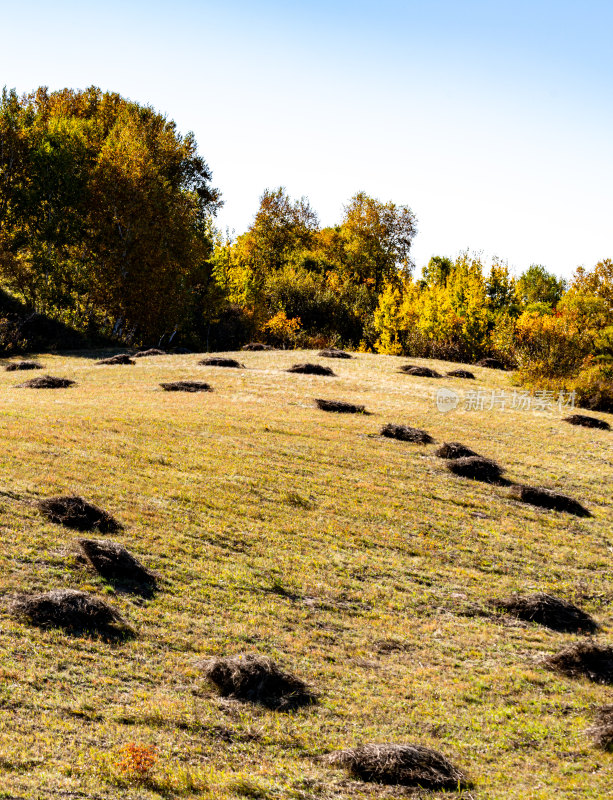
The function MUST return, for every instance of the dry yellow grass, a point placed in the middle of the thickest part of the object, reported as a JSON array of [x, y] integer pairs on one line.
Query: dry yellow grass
[[355, 560]]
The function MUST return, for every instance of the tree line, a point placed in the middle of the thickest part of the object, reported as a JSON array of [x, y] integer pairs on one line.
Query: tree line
[[107, 224]]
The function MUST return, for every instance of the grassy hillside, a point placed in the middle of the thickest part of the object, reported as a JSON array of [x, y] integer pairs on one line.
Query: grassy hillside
[[356, 561]]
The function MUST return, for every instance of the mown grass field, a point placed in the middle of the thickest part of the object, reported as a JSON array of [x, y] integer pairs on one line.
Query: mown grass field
[[356, 561]]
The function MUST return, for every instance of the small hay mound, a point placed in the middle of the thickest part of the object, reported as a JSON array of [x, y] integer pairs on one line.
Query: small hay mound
[[153, 351], [254, 346], [455, 450], [186, 386], [406, 434], [400, 764], [476, 468], [119, 359], [214, 361], [19, 365], [332, 352], [584, 659], [461, 373], [339, 406], [311, 369], [602, 731], [547, 498], [257, 679], [585, 422], [113, 561], [550, 611], [75, 512], [70, 609], [491, 363], [420, 372], [47, 382]]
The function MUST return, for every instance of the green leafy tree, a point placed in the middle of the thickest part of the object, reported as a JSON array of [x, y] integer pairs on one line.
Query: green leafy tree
[[377, 240], [104, 209], [438, 270], [537, 285]]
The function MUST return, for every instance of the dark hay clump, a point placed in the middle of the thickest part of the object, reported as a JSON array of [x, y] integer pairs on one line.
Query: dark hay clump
[[332, 352], [400, 764], [72, 610], [476, 468], [75, 512], [420, 372], [602, 731], [22, 365], [119, 359], [584, 659], [214, 361], [461, 373], [257, 679], [186, 386], [311, 369], [585, 421], [113, 561], [552, 612], [47, 382], [547, 498], [153, 351], [254, 346], [455, 450], [491, 363], [339, 406], [406, 434]]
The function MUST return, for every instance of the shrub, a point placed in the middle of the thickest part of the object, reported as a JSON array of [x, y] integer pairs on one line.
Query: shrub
[[281, 330]]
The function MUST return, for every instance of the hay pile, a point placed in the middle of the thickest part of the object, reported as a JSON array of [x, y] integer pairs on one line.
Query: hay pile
[[311, 369], [419, 372], [258, 679], [72, 610], [550, 611], [547, 498], [476, 468], [461, 373], [455, 450], [113, 561], [585, 421], [406, 434], [215, 361], [22, 365], [153, 351], [254, 346], [491, 363], [119, 359], [47, 382], [332, 352], [339, 406], [186, 386], [584, 659], [399, 764], [75, 512], [602, 731]]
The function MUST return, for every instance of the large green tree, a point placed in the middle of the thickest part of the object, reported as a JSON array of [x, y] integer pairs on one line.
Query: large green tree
[[104, 209]]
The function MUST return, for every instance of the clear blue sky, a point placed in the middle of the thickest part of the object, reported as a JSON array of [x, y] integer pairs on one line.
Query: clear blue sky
[[492, 120]]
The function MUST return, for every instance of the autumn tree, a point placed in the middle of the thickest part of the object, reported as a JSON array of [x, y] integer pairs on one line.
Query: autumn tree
[[104, 208], [377, 240], [597, 282]]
